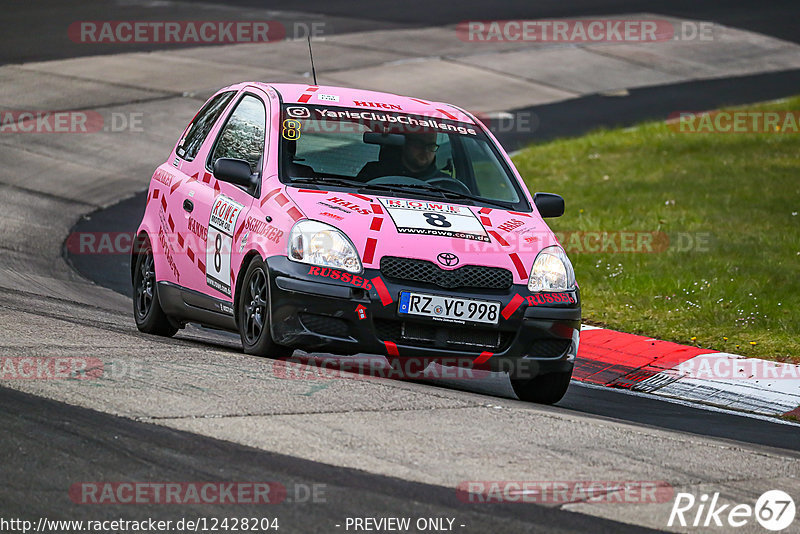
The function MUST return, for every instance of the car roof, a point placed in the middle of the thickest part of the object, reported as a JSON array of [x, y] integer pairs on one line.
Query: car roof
[[329, 95]]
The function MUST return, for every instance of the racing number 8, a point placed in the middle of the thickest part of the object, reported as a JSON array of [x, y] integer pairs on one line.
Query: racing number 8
[[218, 252], [291, 129], [437, 219]]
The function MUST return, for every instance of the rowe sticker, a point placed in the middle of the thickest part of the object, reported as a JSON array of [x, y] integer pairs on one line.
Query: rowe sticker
[[422, 217], [219, 243]]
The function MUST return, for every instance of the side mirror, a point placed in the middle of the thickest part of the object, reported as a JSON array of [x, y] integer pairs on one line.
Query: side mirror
[[235, 171], [549, 204]]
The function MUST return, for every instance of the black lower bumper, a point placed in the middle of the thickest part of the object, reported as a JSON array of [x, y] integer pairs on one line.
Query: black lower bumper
[[323, 310]]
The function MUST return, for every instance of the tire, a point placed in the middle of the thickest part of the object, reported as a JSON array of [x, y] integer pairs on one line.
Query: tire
[[253, 314], [147, 312], [543, 389]]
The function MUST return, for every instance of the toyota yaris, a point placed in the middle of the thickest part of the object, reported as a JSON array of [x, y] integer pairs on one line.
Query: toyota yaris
[[348, 221]]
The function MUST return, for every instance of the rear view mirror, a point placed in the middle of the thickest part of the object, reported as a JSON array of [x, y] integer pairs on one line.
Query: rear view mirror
[[549, 204], [235, 171], [384, 139]]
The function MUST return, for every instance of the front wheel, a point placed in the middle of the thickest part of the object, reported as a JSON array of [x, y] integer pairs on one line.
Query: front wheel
[[543, 389], [147, 312], [254, 316]]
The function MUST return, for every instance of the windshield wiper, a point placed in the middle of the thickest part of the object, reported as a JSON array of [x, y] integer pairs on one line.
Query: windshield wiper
[[361, 186], [332, 180], [407, 188], [445, 192]]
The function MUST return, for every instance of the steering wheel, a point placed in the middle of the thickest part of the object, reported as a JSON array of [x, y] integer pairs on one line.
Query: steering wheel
[[452, 184]]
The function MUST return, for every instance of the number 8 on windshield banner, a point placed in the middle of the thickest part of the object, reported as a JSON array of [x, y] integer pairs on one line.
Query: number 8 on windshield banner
[[219, 243], [434, 218]]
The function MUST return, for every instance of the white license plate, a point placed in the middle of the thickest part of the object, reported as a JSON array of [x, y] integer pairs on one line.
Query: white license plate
[[452, 309]]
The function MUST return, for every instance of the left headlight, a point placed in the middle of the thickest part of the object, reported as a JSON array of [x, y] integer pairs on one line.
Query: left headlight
[[551, 271], [321, 244]]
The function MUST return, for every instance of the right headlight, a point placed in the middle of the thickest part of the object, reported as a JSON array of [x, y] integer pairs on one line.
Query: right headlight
[[317, 243], [551, 271]]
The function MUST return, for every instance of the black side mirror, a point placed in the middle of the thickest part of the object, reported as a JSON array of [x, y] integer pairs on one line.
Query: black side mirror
[[549, 204], [235, 171]]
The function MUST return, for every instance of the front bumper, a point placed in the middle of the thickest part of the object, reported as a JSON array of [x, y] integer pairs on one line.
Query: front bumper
[[314, 312]]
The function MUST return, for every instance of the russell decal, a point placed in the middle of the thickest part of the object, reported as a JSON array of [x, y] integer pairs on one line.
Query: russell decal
[[550, 298], [345, 277]]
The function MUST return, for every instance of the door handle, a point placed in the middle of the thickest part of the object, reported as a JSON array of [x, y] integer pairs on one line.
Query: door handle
[[188, 205]]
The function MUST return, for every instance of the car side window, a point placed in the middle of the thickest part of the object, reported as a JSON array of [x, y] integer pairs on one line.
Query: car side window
[[203, 122], [243, 135], [490, 177]]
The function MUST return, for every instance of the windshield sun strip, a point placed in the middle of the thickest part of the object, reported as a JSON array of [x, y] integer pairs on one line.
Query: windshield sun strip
[[358, 116]]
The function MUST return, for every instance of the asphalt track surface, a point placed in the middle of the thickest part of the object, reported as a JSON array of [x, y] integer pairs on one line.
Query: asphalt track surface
[[112, 271], [581, 115], [569, 118], [34, 31], [129, 450]]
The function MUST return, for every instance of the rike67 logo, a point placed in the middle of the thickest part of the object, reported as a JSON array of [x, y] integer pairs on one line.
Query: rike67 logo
[[774, 510]]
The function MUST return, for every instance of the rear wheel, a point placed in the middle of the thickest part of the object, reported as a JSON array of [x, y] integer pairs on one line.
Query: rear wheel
[[254, 316], [543, 389], [147, 312]]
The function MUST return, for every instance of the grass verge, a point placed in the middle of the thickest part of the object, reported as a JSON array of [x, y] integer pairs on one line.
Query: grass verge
[[729, 276]]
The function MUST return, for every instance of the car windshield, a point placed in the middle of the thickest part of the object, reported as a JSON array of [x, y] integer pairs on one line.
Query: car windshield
[[387, 150]]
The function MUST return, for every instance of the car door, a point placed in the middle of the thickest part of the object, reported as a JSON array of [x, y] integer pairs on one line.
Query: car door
[[222, 207], [187, 229]]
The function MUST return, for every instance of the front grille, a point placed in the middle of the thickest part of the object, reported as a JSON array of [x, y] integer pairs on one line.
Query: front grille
[[428, 272], [552, 348], [388, 330], [473, 337], [441, 336], [325, 325], [418, 332]]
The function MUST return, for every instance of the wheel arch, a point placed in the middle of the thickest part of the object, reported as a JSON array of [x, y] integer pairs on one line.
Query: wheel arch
[[249, 257], [141, 239]]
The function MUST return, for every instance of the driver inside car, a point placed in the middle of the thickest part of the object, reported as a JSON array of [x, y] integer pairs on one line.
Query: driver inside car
[[417, 159]]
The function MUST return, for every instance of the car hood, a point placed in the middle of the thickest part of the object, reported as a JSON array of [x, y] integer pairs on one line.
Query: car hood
[[449, 234]]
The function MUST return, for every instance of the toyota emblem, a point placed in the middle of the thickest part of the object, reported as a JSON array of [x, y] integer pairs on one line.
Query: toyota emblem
[[448, 259]]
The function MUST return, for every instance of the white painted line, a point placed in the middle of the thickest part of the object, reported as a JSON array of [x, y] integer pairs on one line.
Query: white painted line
[[689, 404], [730, 381]]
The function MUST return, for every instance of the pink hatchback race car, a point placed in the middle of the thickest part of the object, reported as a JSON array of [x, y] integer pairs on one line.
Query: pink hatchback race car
[[347, 221]]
